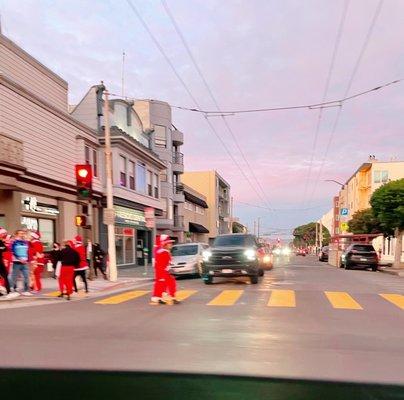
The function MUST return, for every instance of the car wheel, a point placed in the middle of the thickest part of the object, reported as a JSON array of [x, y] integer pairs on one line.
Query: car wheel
[[261, 272], [341, 264], [254, 279], [347, 266], [208, 280], [374, 268]]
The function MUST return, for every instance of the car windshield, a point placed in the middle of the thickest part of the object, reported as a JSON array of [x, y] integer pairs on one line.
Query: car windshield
[[188, 250], [363, 247], [233, 241]]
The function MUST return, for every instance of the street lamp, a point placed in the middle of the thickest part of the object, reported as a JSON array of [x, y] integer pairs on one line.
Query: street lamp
[[332, 180]]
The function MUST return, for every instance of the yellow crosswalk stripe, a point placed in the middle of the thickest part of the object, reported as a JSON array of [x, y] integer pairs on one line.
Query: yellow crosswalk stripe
[[121, 298], [53, 294], [226, 298], [184, 294], [282, 298], [342, 300], [396, 299]]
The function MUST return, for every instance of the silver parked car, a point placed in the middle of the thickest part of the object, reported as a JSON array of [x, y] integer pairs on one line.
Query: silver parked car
[[187, 258]]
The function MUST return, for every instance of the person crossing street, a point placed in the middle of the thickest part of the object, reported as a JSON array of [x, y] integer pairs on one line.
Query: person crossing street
[[163, 280], [69, 259], [81, 269]]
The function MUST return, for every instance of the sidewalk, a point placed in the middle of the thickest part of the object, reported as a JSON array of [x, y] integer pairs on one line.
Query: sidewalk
[[388, 269], [126, 278]]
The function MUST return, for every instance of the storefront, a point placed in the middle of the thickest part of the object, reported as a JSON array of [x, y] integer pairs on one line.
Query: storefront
[[133, 239]]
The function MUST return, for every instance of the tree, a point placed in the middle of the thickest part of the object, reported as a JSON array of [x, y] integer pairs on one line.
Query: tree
[[388, 207], [364, 222], [305, 235]]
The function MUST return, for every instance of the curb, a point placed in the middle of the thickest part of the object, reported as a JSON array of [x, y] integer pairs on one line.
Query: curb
[[391, 271]]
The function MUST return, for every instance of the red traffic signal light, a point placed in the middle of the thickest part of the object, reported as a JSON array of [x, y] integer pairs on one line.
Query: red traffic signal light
[[80, 220], [84, 181]]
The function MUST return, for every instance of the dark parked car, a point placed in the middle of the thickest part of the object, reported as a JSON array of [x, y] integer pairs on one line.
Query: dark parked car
[[231, 256], [359, 255], [323, 255]]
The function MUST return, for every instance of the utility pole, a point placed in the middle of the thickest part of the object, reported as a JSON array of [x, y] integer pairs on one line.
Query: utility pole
[[258, 227], [255, 227], [231, 214], [321, 234], [316, 242], [113, 272]]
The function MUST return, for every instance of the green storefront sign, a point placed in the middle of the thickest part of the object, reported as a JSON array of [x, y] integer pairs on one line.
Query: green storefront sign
[[128, 216]]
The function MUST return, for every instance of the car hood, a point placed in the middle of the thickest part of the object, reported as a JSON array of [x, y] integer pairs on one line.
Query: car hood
[[178, 259], [229, 249]]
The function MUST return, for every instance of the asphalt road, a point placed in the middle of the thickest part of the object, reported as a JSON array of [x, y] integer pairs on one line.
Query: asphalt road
[[304, 319]]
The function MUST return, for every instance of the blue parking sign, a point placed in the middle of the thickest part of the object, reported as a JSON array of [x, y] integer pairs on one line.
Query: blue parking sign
[[344, 211]]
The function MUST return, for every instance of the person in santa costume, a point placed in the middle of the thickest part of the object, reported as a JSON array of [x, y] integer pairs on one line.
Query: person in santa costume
[[3, 269], [163, 280], [81, 269], [36, 259], [69, 259]]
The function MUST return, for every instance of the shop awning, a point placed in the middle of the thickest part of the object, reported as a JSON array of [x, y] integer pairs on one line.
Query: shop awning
[[196, 228]]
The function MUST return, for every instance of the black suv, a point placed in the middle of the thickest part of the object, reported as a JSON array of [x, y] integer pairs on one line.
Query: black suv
[[359, 255], [230, 256]]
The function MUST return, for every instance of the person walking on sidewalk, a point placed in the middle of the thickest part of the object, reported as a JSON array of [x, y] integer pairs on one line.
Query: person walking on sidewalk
[[99, 260], [3, 269], [81, 269], [19, 249], [37, 260], [163, 280], [69, 259], [54, 257]]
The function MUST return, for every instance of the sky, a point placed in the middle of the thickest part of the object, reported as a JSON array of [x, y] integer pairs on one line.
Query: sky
[[252, 54]]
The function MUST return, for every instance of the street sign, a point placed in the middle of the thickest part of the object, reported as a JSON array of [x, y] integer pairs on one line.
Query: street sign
[[344, 211], [344, 226], [109, 216]]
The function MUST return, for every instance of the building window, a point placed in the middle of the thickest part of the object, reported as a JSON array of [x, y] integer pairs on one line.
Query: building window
[[122, 171], [125, 245], [131, 174], [95, 163], [199, 210], [163, 177], [149, 183], [381, 176], [385, 176], [87, 155], [141, 177], [156, 185], [160, 136]]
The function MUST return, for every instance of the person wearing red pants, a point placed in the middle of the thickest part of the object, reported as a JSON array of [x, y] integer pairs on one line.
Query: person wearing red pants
[[69, 259], [163, 280], [37, 260]]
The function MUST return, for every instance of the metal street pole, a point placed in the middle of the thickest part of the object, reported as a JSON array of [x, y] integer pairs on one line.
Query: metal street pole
[[113, 272], [258, 227], [316, 236], [321, 234], [255, 227], [231, 214]]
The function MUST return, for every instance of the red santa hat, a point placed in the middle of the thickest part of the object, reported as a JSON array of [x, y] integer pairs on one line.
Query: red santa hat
[[78, 239], [3, 231], [35, 235], [165, 239]]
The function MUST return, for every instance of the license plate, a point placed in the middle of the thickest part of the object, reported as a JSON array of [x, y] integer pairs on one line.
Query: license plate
[[227, 271], [363, 259]]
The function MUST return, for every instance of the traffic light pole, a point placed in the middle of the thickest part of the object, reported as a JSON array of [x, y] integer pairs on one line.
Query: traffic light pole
[[113, 272]]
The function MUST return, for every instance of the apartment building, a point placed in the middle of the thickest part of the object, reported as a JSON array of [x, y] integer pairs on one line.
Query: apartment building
[[195, 216], [136, 171], [355, 195], [166, 141], [217, 192], [40, 143]]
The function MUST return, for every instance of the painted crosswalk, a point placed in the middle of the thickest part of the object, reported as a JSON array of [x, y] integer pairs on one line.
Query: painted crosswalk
[[277, 298]]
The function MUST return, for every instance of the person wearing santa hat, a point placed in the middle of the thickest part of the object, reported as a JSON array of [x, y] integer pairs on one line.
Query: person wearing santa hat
[[163, 280], [37, 259], [3, 269], [81, 269]]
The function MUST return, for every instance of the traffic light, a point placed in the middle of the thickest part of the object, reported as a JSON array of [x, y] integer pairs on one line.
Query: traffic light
[[84, 181], [81, 220]]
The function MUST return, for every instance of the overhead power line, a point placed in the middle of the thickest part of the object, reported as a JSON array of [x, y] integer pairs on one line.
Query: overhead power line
[[212, 128], [348, 88], [281, 209], [212, 96], [326, 87]]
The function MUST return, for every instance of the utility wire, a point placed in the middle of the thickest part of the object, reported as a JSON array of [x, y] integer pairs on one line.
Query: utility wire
[[212, 96], [348, 88], [161, 49], [326, 87], [279, 209]]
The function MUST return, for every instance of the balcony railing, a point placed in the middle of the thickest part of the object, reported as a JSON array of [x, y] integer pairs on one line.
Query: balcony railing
[[179, 221], [179, 188], [178, 158]]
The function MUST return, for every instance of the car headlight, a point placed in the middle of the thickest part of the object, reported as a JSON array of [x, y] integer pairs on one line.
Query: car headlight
[[250, 254], [343, 257], [206, 255], [286, 251], [277, 251], [267, 259]]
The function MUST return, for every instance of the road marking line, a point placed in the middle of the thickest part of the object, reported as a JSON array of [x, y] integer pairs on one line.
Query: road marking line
[[226, 298], [121, 298], [282, 298], [396, 299], [53, 294], [184, 294], [342, 300]]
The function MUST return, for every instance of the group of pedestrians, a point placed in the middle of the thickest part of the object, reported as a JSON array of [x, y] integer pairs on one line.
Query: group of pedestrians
[[22, 254]]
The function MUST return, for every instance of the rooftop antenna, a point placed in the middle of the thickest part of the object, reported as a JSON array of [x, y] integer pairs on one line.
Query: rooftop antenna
[[123, 73]]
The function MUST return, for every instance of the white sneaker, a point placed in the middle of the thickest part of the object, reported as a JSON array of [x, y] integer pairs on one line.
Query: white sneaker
[[26, 293], [12, 295]]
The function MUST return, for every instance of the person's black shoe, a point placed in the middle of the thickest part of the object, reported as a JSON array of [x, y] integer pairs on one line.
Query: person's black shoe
[[175, 301], [68, 297], [61, 295]]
